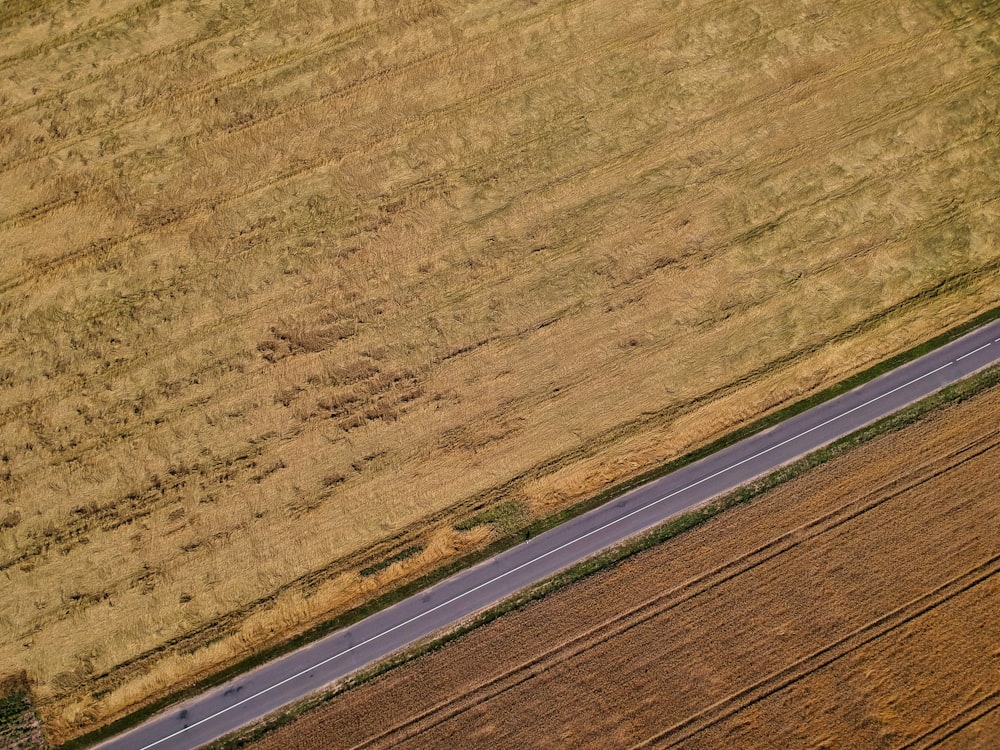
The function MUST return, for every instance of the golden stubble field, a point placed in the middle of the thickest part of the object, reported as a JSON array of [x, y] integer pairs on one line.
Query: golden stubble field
[[852, 607], [289, 290]]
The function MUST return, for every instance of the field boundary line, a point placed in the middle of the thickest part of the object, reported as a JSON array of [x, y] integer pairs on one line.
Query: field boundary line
[[139, 428], [822, 657]]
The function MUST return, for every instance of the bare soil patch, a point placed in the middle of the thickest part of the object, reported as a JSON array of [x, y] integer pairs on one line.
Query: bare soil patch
[[852, 607]]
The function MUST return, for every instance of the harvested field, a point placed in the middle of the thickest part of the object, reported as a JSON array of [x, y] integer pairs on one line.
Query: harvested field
[[300, 300], [854, 606]]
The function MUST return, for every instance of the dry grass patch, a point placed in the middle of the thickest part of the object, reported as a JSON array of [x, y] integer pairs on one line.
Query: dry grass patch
[[288, 290]]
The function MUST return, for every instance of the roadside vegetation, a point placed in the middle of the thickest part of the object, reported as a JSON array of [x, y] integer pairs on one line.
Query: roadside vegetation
[[292, 317]]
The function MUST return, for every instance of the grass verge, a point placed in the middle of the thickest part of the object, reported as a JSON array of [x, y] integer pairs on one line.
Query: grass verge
[[672, 528]]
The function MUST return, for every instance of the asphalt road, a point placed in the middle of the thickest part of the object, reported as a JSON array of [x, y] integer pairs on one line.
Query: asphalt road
[[219, 711]]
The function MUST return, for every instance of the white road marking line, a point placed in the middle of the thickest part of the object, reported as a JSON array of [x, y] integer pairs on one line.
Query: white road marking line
[[540, 557], [969, 354]]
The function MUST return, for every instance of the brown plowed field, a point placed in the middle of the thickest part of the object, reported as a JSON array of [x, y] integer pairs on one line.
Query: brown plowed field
[[853, 607]]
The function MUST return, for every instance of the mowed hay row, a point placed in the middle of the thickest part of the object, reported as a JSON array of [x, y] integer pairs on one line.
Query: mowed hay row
[[851, 606], [281, 306]]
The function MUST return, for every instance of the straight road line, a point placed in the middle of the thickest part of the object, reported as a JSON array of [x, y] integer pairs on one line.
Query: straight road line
[[969, 354]]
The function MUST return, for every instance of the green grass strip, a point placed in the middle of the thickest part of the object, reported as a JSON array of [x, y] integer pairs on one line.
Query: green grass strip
[[509, 540]]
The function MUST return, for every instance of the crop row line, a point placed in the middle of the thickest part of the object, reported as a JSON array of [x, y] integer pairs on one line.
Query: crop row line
[[823, 657]]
